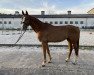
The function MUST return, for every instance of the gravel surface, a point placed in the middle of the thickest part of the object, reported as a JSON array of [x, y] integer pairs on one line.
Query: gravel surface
[[27, 61]]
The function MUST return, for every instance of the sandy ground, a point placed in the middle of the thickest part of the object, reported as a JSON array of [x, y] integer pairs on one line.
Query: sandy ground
[[27, 61]]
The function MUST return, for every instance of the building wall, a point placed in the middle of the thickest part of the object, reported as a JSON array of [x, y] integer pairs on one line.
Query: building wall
[[86, 21], [90, 21], [16, 22], [10, 23]]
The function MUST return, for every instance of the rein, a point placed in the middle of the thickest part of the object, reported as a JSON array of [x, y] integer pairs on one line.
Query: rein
[[20, 37]]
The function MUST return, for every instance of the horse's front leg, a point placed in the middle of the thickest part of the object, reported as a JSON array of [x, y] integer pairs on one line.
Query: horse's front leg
[[48, 51], [44, 53]]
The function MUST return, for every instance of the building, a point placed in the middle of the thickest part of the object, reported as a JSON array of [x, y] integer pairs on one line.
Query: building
[[10, 21], [80, 20]]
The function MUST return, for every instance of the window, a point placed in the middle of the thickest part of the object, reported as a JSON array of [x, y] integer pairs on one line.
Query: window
[[76, 22], [0, 22], [51, 22], [61, 22], [81, 22], [9, 22], [66, 22], [71, 22], [5, 22], [56, 22]]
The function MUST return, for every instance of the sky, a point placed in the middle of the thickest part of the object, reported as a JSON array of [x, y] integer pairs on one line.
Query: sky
[[49, 6]]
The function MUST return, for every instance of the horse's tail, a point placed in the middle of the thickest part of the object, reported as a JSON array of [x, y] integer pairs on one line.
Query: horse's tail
[[78, 42]]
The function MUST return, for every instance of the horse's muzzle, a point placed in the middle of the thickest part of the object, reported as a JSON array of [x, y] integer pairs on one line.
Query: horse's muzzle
[[24, 27]]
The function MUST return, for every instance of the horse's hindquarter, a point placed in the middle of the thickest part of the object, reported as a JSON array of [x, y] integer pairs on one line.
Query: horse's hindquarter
[[73, 33]]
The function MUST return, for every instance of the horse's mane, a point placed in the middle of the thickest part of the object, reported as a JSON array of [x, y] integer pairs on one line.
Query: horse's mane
[[48, 24], [37, 20], [38, 25]]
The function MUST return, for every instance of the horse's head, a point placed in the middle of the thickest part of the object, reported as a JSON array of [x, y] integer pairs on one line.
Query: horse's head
[[25, 20]]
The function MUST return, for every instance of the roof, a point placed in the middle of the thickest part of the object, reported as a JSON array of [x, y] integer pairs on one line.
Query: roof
[[66, 16], [91, 11], [51, 16], [9, 16]]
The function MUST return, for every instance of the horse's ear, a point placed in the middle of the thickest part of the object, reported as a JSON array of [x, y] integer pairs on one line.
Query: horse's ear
[[22, 12], [26, 13]]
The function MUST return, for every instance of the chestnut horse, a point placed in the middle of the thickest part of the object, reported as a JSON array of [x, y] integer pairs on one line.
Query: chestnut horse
[[49, 33]]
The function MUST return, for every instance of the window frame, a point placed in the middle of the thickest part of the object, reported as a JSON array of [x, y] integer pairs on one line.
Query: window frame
[[56, 22], [66, 22], [71, 22]]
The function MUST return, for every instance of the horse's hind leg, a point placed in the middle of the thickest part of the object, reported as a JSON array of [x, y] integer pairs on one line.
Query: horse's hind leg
[[70, 51], [76, 48]]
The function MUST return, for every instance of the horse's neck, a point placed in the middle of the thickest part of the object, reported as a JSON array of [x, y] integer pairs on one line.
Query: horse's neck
[[37, 25]]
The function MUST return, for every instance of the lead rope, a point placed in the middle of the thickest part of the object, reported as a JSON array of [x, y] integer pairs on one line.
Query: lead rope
[[20, 38]]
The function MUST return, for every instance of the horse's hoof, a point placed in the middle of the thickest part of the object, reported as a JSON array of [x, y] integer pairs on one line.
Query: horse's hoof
[[67, 60], [43, 65], [74, 63], [49, 62]]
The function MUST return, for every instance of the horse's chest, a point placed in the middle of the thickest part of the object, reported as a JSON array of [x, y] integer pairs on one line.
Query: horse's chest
[[42, 37]]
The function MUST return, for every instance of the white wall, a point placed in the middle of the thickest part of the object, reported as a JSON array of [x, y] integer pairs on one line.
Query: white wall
[[86, 21], [90, 21], [16, 22]]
